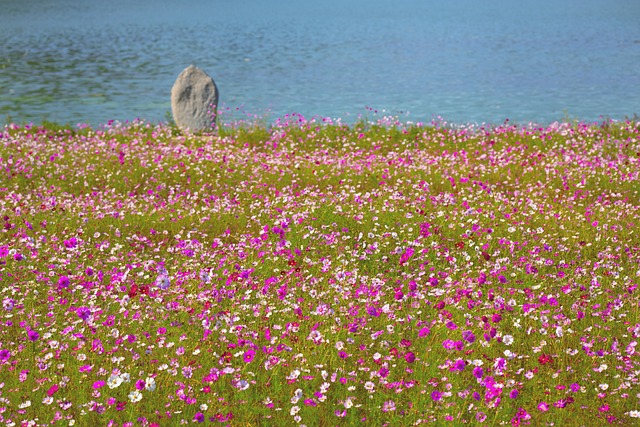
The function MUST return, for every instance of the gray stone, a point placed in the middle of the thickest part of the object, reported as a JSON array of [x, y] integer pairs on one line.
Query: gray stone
[[194, 100]]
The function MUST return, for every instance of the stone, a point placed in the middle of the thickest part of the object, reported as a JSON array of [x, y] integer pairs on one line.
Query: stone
[[194, 100]]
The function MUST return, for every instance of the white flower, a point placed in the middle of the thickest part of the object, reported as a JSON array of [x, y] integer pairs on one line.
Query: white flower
[[135, 396], [163, 282], [294, 410], [242, 385], [339, 345], [114, 381], [507, 339], [369, 386], [603, 386], [293, 375], [297, 395], [8, 304], [150, 384], [348, 403], [634, 414], [559, 331], [125, 377], [48, 400], [204, 407]]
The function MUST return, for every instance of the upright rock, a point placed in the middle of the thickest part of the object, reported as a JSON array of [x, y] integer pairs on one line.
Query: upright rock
[[194, 100]]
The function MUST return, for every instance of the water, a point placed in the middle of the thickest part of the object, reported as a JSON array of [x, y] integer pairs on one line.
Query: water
[[467, 61]]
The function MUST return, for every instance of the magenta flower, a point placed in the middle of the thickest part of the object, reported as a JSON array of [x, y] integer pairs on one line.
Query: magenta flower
[[84, 313], [33, 335], [543, 406], [408, 253], [63, 282], [140, 384], [410, 357], [249, 355], [4, 355], [468, 336], [52, 390], [98, 384], [436, 395], [478, 372], [459, 365], [424, 332]]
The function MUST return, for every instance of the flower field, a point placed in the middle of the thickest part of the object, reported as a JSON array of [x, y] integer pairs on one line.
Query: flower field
[[319, 274]]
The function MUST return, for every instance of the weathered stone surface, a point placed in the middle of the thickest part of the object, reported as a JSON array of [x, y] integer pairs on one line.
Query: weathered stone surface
[[194, 100]]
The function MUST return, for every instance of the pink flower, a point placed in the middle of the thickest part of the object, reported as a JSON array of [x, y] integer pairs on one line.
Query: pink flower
[[424, 332], [249, 355], [63, 282], [52, 390], [408, 253], [410, 357], [543, 406]]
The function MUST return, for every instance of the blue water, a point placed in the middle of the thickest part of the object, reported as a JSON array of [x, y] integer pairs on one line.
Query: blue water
[[467, 61]]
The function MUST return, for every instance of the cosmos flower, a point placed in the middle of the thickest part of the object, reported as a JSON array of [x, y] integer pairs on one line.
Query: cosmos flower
[[135, 396]]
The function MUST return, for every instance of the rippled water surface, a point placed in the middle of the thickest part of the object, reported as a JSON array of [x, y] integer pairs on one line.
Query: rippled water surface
[[75, 61]]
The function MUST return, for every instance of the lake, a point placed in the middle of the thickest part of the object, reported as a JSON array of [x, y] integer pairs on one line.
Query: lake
[[466, 61]]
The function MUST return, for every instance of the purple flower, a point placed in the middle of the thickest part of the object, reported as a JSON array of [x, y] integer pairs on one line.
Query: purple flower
[[543, 407], [33, 335], [63, 282], [18, 257], [140, 384], [372, 311], [163, 282], [8, 304], [198, 417], [468, 336], [478, 372], [248, 356], [436, 395], [408, 253], [448, 344], [513, 394], [84, 313], [459, 365], [424, 332], [4, 251], [410, 357], [4, 355]]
